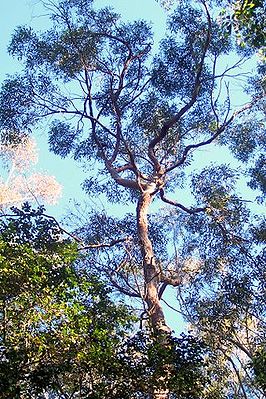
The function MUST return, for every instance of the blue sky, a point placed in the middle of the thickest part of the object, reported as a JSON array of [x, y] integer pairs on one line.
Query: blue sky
[[68, 172], [29, 12], [24, 12]]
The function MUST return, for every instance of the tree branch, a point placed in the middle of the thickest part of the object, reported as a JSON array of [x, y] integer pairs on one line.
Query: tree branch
[[172, 121], [184, 208], [103, 245], [211, 139]]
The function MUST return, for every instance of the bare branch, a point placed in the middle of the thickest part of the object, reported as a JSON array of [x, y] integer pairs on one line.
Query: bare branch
[[211, 139], [237, 373], [184, 208], [173, 281], [240, 346], [172, 121], [171, 307], [161, 290], [103, 245]]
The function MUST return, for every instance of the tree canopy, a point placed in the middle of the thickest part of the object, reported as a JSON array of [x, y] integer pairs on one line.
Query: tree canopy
[[62, 335], [243, 19], [137, 119]]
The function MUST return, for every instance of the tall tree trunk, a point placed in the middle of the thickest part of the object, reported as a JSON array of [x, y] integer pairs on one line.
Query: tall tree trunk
[[150, 268], [151, 273]]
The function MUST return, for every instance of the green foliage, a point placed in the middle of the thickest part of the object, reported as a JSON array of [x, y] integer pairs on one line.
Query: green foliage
[[182, 52], [258, 176], [62, 334], [138, 118], [246, 18], [151, 362], [61, 138], [250, 22], [259, 367], [55, 321]]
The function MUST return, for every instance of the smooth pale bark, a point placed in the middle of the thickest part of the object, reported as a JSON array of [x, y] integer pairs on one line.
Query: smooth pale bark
[[152, 276], [150, 269]]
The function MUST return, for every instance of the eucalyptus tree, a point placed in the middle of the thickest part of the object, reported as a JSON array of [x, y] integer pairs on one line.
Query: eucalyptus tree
[[136, 120]]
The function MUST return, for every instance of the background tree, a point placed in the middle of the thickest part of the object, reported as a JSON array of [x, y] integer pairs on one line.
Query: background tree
[[138, 118], [59, 327], [61, 334], [19, 185]]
